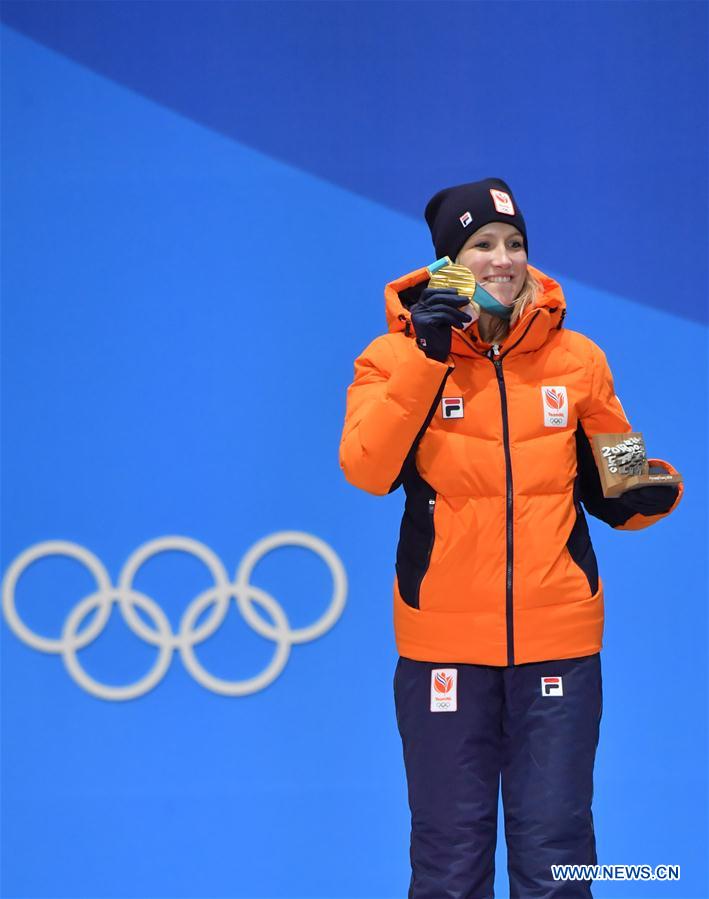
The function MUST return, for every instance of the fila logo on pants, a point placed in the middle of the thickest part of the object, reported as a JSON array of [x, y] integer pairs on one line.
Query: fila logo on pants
[[552, 686]]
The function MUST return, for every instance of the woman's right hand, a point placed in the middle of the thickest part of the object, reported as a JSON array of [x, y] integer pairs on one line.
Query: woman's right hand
[[437, 310]]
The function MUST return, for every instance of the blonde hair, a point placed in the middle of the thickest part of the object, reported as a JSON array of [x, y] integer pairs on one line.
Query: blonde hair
[[493, 329]]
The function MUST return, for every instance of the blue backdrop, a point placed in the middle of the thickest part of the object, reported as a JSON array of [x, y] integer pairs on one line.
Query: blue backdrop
[[202, 203]]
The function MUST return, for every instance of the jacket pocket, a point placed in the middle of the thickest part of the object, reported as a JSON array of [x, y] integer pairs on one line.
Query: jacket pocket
[[416, 540], [581, 550]]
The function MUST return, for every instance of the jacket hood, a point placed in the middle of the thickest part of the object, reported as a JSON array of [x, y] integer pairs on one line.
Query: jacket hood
[[547, 314]]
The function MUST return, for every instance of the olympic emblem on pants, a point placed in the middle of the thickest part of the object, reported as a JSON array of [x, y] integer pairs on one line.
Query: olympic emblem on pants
[[161, 635]]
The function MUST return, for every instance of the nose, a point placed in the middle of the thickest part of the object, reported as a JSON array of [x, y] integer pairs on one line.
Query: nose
[[501, 257]]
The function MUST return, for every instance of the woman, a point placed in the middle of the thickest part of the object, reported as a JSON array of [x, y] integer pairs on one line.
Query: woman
[[498, 607]]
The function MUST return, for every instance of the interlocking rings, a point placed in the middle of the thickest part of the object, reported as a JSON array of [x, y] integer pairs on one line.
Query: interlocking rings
[[160, 635]]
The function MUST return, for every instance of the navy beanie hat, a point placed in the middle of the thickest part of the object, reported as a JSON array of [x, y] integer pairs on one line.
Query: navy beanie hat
[[455, 213]]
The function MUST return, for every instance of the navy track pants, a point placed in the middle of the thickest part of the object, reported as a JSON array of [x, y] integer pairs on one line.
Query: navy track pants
[[539, 736]]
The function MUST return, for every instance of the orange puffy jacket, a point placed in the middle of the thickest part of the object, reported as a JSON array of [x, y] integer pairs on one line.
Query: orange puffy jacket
[[494, 564]]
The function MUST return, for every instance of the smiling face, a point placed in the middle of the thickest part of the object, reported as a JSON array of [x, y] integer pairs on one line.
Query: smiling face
[[495, 254]]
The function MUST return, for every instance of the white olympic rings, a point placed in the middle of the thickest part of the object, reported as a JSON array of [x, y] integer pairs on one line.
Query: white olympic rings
[[161, 635]]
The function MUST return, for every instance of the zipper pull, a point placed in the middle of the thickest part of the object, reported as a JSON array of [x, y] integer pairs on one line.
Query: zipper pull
[[431, 505], [496, 349]]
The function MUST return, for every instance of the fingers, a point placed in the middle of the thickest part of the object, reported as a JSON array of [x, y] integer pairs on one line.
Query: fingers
[[448, 295], [430, 290], [454, 317], [441, 308], [438, 315]]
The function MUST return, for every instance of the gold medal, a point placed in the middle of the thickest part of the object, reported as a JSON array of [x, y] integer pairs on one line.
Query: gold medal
[[446, 274]]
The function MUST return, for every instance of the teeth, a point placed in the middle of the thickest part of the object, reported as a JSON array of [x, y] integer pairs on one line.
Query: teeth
[[499, 280]]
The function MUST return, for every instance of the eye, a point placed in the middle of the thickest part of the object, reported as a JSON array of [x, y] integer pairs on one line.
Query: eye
[[482, 243]]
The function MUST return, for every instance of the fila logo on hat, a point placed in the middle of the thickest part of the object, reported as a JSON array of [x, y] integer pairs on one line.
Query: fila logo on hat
[[444, 690], [465, 219], [502, 201], [556, 407], [552, 686], [452, 407]]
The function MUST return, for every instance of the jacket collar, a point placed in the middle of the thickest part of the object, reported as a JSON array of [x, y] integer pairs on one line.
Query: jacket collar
[[528, 334]]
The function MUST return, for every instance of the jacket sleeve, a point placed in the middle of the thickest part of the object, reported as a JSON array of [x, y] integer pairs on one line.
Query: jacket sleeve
[[604, 414], [389, 405]]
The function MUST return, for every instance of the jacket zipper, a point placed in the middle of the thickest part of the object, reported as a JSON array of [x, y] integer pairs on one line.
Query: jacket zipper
[[431, 510], [493, 355], [431, 502]]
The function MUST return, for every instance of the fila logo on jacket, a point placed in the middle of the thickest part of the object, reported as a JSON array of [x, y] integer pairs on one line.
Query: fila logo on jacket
[[555, 406]]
